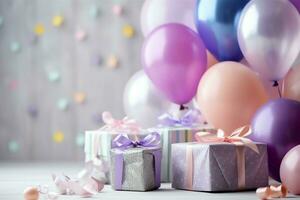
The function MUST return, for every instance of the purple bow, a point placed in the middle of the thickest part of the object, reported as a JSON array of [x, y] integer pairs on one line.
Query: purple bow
[[188, 119], [122, 141]]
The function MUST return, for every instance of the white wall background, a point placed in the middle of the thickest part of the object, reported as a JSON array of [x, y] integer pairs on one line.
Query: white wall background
[[24, 81]]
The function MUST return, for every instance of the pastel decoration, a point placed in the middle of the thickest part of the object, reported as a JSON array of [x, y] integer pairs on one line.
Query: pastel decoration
[[63, 104], [1, 21], [32, 111], [57, 20], [13, 146], [80, 35], [13, 84], [79, 97], [97, 118], [211, 60], [128, 31], [291, 84], [15, 47], [96, 60], [58, 136], [93, 11], [80, 140], [112, 62], [53, 76], [31, 193], [39, 29], [117, 10]]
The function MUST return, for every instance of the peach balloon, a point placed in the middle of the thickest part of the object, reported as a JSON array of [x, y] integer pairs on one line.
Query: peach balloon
[[291, 84], [229, 94], [211, 60]]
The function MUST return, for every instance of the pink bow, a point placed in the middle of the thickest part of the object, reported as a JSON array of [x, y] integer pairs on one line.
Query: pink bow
[[124, 124], [237, 137], [272, 192]]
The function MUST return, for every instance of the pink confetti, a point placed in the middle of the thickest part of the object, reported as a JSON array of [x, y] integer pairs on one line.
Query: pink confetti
[[80, 35], [117, 10]]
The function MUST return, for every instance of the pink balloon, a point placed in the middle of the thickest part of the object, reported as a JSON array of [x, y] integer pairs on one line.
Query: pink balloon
[[289, 170], [174, 58]]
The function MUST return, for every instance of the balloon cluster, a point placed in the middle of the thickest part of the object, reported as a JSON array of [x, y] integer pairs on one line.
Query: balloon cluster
[[232, 56]]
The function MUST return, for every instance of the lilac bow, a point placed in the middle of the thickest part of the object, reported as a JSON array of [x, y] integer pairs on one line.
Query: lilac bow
[[123, 141], [188, 119]]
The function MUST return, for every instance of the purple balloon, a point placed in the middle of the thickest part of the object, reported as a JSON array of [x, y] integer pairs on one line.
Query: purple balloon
[[174, 58], [296, 4], [277, 124]]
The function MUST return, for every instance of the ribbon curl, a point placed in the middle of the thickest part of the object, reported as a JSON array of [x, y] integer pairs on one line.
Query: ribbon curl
[[125, 124], [188, 119], [90, 180], [272, 192]]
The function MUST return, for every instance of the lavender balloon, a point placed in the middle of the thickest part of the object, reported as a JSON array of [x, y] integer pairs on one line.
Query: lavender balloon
[[277, 124], [296, 4], [269, 37], [174, 58]]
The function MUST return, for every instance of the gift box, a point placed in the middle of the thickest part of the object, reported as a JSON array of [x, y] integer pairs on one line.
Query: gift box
[[98, 142], [135, 166], [230, 165], [176, 130]]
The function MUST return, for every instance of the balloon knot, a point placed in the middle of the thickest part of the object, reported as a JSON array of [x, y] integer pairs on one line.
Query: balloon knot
[[275, 83], [182, 107]]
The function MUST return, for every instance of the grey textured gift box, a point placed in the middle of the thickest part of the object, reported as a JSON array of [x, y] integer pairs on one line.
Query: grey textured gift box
[[215, 167], [138, 172]]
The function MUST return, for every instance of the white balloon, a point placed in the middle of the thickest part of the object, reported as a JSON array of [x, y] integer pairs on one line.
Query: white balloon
[[143, 102], [158, 12]]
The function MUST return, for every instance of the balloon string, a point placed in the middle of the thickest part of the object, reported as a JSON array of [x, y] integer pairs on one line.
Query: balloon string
[[276, 84]]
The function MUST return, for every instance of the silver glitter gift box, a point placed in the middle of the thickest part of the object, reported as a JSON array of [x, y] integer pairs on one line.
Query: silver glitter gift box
[[218, 167], [136, 169]]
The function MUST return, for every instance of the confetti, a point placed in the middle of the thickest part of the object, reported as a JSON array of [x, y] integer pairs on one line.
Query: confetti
[[39, 29], [53, 76], [79, 97], [96, 60], [57, 20], [13, 84], [128, 31], [94, 11], [80, 140], [80, 35], [13, 146], [15, 47], [112, 61], [63, 104], [117, 10], [97, 118], [1, 21], [58, 136], [32, 111]]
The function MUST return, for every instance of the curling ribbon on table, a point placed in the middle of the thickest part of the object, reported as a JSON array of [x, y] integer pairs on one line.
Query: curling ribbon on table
[[122, 142], [188, 119], [89, 181], [237, 137], [272, 192]]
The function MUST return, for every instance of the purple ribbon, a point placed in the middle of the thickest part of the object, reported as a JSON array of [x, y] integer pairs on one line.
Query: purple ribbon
[[188, 119], [122, 141]]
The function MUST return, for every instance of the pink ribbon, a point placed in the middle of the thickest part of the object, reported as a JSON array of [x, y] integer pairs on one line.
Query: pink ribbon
[[125, 124], [88, 183], [272, 192], [237, 137]]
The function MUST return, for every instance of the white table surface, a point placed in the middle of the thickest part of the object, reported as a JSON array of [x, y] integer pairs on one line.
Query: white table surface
[[15, 177]]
